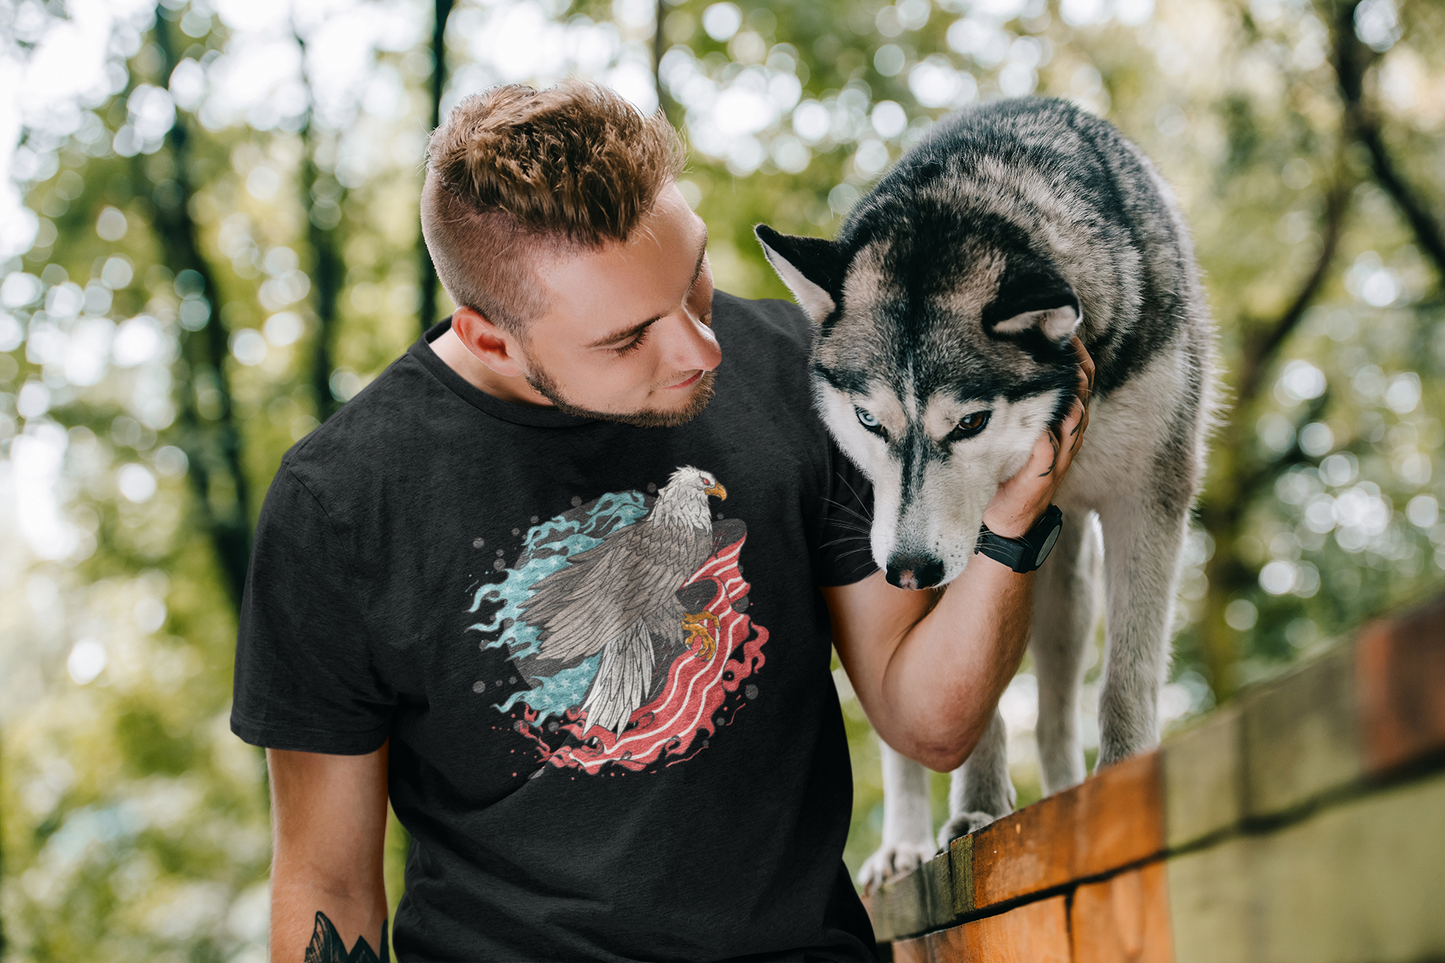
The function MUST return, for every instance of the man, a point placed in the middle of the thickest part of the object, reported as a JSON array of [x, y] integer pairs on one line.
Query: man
[[560, 584]]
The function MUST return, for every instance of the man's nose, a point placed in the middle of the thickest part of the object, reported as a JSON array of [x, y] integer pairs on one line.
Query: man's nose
[[691, 344]]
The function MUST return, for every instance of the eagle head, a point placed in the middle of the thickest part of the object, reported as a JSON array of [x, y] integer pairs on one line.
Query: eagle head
[[683, 500]]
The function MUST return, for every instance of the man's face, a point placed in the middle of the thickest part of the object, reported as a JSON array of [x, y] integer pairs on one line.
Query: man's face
[[628, 333]]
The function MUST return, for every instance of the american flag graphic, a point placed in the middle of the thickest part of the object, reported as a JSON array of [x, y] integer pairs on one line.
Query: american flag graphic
[[684, 715]]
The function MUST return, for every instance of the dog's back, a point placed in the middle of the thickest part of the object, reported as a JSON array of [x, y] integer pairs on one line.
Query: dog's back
[[1037, 174]]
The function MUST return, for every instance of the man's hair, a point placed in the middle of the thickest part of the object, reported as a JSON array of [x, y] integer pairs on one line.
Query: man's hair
[[516, 172]]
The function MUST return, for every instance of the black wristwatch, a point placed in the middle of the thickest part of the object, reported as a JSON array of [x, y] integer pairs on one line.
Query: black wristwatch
[[1027, 553]]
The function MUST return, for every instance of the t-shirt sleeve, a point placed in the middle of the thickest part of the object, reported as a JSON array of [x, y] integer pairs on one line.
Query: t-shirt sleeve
[[305, 676], [844, 554]]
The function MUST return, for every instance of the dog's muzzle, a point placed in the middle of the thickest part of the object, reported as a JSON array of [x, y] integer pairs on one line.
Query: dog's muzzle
[[914, 572]]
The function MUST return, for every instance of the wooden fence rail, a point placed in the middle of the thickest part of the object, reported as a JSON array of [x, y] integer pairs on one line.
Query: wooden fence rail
[[1302, 823]]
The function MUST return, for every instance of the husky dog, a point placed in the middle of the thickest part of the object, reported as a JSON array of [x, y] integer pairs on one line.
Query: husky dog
[[945, 311]]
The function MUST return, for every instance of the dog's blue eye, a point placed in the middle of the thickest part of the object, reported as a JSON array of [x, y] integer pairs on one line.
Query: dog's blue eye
[[867, 420], [969, 425]]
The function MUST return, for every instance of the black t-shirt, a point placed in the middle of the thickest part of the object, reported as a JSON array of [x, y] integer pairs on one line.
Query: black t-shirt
[[598, 651]]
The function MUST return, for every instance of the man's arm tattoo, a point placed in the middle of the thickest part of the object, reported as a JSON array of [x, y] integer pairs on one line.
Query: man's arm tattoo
[[326, 945]]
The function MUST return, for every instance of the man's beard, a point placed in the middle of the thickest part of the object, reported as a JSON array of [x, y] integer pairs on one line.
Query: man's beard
[[702, 393]]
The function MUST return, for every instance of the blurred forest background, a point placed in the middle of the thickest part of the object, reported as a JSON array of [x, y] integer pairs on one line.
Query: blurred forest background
[[209, 242]]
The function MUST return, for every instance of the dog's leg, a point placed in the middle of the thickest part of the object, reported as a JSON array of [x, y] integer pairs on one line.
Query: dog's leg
[[980, 790], [1142, 545], [1066, 610], [907, 821]]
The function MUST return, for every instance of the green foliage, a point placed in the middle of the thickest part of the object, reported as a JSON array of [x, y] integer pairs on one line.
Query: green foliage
[[205, 285]]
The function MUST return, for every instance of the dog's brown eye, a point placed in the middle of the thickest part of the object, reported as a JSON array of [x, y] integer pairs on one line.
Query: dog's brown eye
[[969, 425]]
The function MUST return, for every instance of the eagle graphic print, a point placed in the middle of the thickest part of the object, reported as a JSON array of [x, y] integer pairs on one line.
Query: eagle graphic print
[[626, 619]]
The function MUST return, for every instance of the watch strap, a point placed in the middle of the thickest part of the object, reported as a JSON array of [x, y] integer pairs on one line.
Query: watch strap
[[1023, 554]]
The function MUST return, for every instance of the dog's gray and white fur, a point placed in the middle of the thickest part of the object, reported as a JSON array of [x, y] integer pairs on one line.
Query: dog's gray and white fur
[[945, 309]]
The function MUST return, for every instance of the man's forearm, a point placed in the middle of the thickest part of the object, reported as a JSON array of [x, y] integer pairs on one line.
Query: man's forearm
[[946, 673], [311, 923], [328, 816], [929, 667]]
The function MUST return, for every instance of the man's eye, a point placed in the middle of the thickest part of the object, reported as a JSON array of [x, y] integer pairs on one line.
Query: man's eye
[[634, 344], [969, 425], [867, 420]]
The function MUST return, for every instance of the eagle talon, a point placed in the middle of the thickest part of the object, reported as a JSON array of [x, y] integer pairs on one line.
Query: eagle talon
[[695, 624]]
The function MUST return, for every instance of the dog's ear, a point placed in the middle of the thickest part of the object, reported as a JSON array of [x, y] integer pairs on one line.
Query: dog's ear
[[807, 265], [1055, 324], [1033, 300]]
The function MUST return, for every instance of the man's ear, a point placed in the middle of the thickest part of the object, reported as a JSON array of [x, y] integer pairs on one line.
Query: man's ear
[[1055, 324], [489, 344], [807, 265]]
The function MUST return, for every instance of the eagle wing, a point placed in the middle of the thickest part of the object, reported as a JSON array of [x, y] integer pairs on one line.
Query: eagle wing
[[623, 679], [602, 593]]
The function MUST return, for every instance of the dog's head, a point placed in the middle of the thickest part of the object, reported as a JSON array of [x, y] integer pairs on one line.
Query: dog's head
[[942, 354]]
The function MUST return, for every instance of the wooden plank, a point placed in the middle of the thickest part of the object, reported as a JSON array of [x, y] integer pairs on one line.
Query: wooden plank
[[1209, 904], [1400, 672], [911, 951], [900, 907], [1203, 779], [960, 860], [937, 878], [1124, 919], [1301, 737], [1024, 853], [1033, 933], [1119, 819], [1113, 819], [912, 904], [1358, 882]]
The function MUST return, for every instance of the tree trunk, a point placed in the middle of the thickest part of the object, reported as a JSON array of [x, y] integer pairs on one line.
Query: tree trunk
[[1351, 60], [426, 272], [328, 268], [328, 271], [665, 103], [212, 444]]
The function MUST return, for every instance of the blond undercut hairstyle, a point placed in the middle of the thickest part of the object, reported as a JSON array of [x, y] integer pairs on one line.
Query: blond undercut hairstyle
[[516, 172]]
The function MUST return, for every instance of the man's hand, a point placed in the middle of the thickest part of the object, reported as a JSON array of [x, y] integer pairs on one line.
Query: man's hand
[[1020, 501]]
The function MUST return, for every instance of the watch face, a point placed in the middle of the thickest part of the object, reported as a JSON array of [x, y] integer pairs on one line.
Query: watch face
[[1048, 545]]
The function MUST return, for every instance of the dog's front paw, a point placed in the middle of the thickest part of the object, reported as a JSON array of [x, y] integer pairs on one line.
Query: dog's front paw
[[962, 825], [892, 861]]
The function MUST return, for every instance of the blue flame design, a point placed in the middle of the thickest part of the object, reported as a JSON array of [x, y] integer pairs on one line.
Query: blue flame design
[[545, 549]]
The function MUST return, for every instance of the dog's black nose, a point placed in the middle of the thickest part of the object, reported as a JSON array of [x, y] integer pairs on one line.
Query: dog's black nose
[[914, 572]]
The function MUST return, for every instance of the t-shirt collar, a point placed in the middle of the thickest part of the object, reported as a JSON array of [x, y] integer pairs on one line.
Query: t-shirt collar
[[529, 415]]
